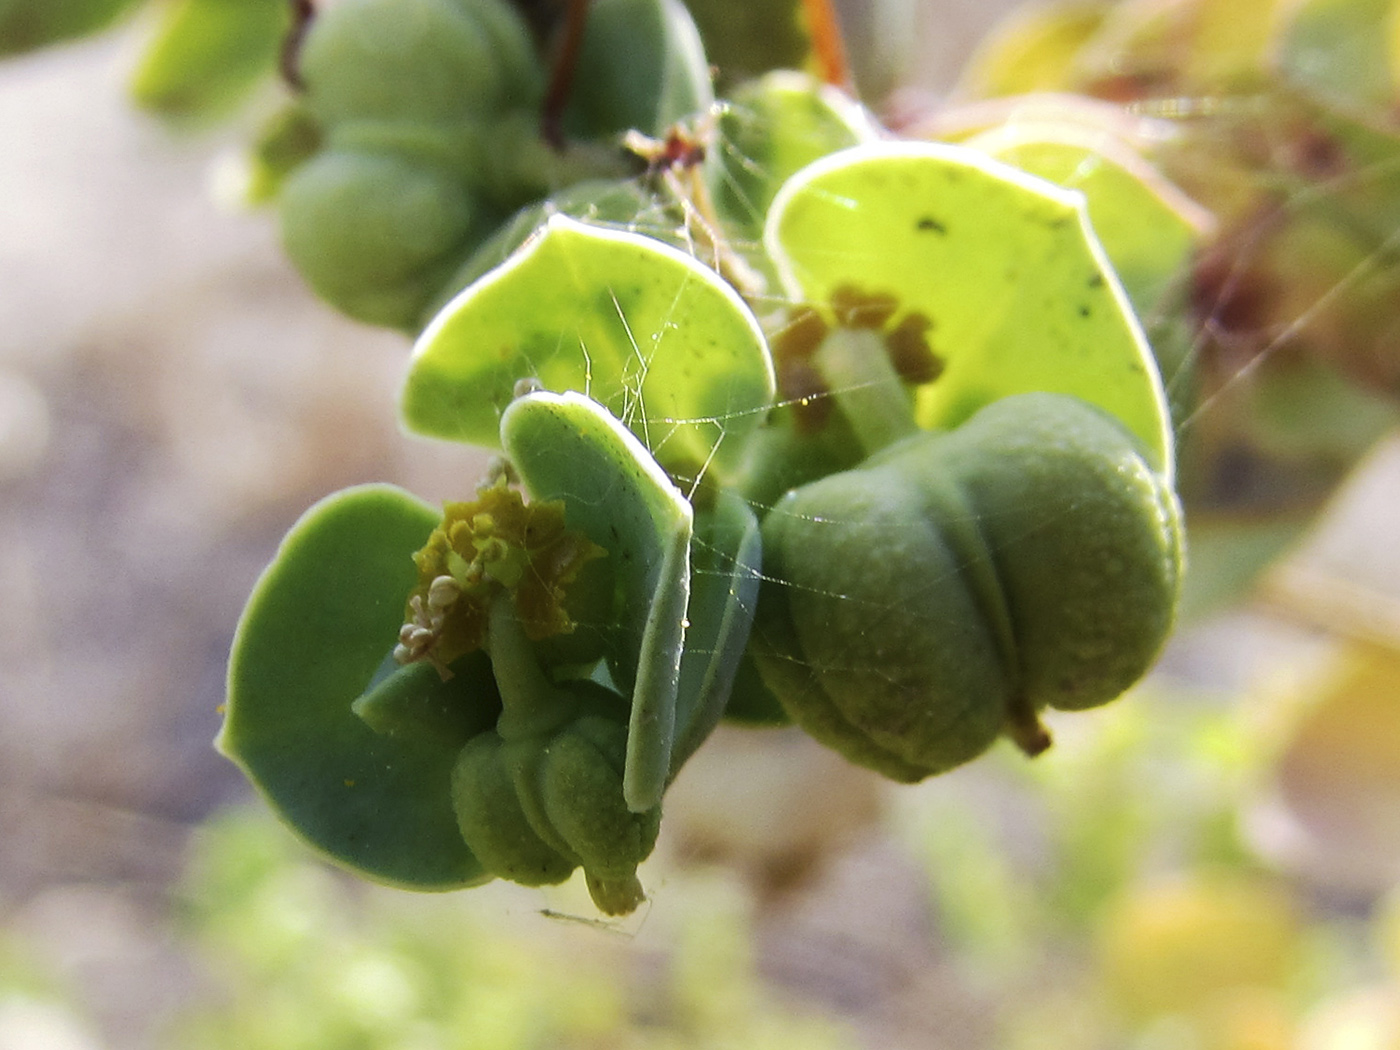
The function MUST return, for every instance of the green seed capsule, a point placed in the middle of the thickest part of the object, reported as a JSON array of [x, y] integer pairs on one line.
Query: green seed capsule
[[375, 234], [580, 785], [493, 821], [533, 807], [418, 62], [958, 582]]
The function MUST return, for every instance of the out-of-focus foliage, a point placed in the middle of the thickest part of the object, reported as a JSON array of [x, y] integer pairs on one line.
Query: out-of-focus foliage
[[303, 960], [27, 24], [1278, 339], [1131, 892]]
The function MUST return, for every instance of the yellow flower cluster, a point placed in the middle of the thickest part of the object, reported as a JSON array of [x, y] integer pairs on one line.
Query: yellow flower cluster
[[483, 548]]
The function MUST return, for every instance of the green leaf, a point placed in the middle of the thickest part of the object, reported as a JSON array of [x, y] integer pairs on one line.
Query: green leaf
[[569, 448], [725, 572], [641, 65], [286, 140], [769, 130], [620, 204], [413, 701], [1148, 227], [749, 37], [658, 339], [1340, 51], [313, 634], [29, 24], [208, 54], [1004, 266], [1034, 48]]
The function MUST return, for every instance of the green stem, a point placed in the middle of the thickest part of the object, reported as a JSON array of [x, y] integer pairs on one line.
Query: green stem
[[866, 387], [531, 705]]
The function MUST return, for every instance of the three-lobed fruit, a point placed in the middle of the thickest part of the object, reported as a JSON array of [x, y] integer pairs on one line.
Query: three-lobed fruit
[[958, 582], [534, 807], [429, 115]]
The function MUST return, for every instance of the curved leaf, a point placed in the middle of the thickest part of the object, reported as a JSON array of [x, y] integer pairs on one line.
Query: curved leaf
[[658, 339], [567, 447], [312, 636], [641, 65], [725, 571], [1004, 267], [769, 130], [1147, 226], [209, 54], [29, 24], [1034, 48]]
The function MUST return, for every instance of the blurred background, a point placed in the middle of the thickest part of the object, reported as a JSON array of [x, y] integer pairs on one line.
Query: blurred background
[[1211, 863]]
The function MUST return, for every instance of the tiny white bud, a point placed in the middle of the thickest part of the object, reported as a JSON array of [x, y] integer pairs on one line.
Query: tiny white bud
[[442, 592]]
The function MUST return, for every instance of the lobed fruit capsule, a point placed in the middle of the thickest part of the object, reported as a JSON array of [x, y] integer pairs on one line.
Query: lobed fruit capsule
[[534, 807], [958, 582]]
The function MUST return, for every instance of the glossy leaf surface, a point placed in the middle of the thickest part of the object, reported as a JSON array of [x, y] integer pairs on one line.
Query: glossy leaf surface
[[770, 129], [641, 65], [314, 632]]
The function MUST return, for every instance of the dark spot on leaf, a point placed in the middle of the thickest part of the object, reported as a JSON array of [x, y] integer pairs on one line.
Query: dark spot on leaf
[[800, 337], [1096, 280], [1084, 310], [857, 308], [910, 354], [929, 224]]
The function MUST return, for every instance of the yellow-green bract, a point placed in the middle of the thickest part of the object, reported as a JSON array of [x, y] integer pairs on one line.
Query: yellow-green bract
[[29, 24], [1006, 269], [648, 332], [208, 54]]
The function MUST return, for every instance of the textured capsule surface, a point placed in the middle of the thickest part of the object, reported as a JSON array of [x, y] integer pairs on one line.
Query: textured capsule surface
[[958, 582]]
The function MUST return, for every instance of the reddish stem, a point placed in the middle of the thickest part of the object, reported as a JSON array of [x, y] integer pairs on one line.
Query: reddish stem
[[303, 11], [561, 76], [828, 45]]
